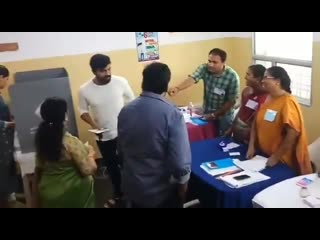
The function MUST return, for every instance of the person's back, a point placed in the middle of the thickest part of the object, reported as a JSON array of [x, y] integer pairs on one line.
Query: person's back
[[63, 183], [154, 146], [64, 164]]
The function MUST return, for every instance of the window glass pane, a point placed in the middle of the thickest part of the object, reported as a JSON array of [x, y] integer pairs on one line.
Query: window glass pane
[[292, 45], [300, 80], [267, 64]]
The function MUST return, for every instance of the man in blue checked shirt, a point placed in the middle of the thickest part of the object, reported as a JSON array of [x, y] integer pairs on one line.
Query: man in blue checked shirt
[[154, 146]]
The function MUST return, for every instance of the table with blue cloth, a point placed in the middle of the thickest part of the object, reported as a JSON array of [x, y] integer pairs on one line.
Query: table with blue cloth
[[215, 193]]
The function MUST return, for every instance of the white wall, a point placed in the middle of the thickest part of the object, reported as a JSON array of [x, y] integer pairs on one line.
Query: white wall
[[50, 44]]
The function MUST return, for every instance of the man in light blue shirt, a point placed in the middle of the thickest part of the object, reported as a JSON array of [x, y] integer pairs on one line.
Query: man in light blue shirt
[[154, 146]]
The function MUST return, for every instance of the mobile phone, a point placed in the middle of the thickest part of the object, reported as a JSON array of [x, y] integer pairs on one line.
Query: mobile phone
[[241, 177]]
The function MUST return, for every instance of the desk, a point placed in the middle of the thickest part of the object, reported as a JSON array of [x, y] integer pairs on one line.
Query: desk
[[200, 133], [213, 192], [286, 194]]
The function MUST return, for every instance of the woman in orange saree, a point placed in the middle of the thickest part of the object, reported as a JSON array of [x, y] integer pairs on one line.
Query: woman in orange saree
[[278, 129]]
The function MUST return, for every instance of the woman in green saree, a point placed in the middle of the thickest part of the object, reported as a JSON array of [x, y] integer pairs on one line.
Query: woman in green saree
[[65, 165]]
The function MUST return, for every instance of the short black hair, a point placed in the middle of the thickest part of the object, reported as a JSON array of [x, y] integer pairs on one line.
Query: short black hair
[[99, 61], [219, 52], [156, 78], [4, 72], [258, 70]]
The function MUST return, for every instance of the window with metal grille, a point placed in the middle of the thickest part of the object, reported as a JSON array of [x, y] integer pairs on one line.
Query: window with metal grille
[[293, 52]]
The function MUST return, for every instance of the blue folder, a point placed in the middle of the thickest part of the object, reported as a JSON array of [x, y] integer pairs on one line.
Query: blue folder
[[199, 122], [223, 163]]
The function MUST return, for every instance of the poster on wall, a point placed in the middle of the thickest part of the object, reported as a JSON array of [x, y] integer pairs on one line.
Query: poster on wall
[[147, 46]]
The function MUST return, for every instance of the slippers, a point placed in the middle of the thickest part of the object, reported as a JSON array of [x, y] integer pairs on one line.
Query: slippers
[[113, 203]]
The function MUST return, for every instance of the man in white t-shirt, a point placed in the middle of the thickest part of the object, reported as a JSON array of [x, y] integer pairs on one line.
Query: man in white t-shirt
[[100, 101]]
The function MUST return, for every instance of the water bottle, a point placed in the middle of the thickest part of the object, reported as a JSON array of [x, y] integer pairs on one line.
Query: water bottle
[[190, 108]]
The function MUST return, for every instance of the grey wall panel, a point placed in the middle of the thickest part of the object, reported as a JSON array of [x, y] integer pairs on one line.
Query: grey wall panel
[[38, 75], [27, 95]]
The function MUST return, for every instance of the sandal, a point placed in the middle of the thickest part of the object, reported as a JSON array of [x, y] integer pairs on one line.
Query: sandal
[[113, 203]]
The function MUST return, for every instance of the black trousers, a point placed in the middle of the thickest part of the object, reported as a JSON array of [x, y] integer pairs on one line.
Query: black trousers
[[172, 201], [111, 160]]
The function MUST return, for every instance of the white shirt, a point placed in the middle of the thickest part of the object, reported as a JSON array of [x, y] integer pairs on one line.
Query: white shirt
[[104, 103]]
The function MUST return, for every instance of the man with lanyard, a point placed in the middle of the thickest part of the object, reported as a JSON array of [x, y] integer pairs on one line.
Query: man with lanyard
[[221, 89]]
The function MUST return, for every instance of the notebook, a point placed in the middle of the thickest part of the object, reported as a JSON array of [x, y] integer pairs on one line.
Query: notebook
[[218, 167], [219, 171]]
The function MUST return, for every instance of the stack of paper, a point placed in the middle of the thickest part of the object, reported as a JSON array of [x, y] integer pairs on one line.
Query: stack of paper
[[219, 171], [256, 164], [252, 177], [222, 166], [187, 118]]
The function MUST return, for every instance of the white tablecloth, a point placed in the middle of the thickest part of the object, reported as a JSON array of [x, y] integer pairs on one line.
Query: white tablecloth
[[286, 194], [27, 162]]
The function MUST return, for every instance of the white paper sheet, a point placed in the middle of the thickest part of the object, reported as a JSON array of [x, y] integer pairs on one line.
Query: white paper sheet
[[256, 164], [312, 202], [230, 146]]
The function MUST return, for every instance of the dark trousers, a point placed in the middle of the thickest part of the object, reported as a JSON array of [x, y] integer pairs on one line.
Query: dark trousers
[[172, 202], [111, 160]]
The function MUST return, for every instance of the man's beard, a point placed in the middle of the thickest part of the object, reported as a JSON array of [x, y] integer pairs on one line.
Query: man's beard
[[105, 79]]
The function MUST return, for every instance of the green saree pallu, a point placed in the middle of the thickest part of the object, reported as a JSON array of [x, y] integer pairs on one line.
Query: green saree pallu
[[62, 186]]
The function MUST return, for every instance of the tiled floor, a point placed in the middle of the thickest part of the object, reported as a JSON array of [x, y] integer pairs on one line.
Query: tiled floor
[[103, 190]]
